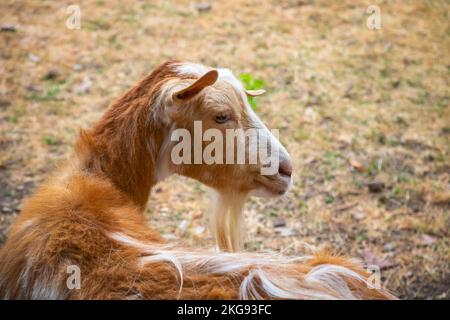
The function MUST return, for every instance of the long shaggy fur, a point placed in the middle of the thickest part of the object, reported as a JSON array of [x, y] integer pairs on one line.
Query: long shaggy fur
[[91, 215]]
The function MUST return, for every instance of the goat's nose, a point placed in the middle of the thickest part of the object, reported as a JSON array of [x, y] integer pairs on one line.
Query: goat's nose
[[285, 168]]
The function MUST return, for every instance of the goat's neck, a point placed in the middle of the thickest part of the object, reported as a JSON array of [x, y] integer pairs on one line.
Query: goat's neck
[[124, 145]]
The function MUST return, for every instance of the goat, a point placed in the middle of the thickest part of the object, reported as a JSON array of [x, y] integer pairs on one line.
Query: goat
[[90, 214]]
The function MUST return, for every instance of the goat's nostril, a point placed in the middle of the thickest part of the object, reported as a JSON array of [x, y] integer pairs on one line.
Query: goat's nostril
[[285, 169]]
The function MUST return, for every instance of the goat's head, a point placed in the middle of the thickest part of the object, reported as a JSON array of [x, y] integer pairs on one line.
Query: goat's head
[[216, 137]]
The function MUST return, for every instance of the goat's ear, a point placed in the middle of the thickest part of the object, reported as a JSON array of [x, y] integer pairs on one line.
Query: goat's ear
[[204, 81], [255, 93]]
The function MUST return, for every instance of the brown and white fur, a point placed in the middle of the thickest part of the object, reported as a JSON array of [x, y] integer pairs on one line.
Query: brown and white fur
[[91, 213]]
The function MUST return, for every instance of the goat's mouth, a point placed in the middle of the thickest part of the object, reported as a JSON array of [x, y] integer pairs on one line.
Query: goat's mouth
[[272, 186]]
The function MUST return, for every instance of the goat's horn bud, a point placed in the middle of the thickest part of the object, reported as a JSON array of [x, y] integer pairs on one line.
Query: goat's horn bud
[[255, 93]]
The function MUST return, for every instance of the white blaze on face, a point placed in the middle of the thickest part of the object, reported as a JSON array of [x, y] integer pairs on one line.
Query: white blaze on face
[[277, 152]]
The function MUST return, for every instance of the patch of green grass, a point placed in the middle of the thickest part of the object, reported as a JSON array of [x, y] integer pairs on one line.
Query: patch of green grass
[[422, 98], [374, 167], [17, 112], [114, 42], [362, 235], [178, 216], [384, 73], [132, 18], [396, 191], [329, 199], [377, 136], [332, 157], [401, 121], [250, 83], [8, 194], [328, 175], [403, 177], [303, 207], [358, 183], [301, 134], [95, 25], [51, 92], [442, 103], [12, 119], [413, 83], [149, 213], [393, 142], [273, 213], [50, 140], [148, 6]]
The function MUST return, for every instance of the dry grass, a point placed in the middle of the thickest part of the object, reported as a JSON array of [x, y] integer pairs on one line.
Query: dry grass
[[353, 105]]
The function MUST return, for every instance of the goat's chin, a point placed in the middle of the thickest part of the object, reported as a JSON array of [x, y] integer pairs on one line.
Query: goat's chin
[[271, 187], [264, 192]]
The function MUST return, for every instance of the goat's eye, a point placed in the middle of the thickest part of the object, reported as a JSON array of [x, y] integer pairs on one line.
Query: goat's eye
[[222, 118]]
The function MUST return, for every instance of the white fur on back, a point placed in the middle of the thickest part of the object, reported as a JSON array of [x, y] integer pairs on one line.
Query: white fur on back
[[265, 271]]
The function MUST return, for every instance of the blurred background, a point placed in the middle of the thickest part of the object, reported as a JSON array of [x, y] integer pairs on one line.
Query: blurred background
[[363, 110]]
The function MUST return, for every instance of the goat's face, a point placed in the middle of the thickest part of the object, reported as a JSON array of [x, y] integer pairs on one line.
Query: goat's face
[[217, 139]]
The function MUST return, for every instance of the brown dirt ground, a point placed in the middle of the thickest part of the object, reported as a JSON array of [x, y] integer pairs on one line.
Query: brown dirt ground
[[354, 106]]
